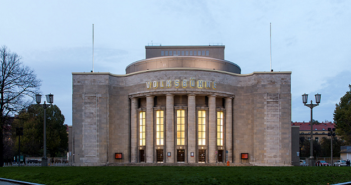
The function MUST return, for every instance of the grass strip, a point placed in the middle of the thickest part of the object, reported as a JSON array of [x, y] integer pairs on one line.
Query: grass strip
[[178, 175]]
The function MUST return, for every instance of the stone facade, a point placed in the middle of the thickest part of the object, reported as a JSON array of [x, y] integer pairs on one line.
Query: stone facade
[[256, 111]]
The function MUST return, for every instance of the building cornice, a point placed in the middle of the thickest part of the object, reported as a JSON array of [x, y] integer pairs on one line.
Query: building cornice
[[178, 69], [181, 92]]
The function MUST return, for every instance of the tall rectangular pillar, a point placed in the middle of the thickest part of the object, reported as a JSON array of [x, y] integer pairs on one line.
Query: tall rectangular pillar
[[212, 145], [149, 129], [170, 127], [228, 129], [134, 128], [191, 128]]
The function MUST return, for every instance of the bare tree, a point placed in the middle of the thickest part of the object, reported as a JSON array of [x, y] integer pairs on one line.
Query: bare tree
[[17, 84]]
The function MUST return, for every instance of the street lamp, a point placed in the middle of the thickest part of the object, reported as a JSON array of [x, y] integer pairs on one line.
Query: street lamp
[[331, 133], [50, 99], [311, 106]]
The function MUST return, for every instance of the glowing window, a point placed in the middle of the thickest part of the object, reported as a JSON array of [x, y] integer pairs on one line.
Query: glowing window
[[142, 128], [219, 128], [180, 127], [159, 127], [202, 127]]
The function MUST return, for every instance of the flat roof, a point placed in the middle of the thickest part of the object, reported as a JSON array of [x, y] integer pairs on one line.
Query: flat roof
[[184, 46]]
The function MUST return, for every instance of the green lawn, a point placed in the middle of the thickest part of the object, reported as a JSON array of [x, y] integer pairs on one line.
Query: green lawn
[[178, 175]]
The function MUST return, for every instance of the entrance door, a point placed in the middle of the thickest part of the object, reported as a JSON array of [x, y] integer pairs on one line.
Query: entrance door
[[142, 155], [220, 155], [202, 156], [180, 155], [159, 154]]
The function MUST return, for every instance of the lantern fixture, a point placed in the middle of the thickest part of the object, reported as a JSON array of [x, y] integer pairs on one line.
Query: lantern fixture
[[318, 98], [50, 98], [38, 98], [304, 98]]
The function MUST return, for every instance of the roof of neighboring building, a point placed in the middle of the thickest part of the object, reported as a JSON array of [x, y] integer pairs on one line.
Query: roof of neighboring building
[[305, 126], [345, 149]]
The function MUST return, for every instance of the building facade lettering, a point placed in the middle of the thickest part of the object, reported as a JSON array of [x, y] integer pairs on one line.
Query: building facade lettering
[[181, 83]]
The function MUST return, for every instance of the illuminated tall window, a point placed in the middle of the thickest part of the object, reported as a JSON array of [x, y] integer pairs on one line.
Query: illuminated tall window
[[142, 128], [202, 127], [180, 127], [219, 128], [159, 127]]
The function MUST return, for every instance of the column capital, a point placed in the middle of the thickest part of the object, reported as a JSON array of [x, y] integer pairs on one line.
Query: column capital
[[212, 95], [149, 95], [230, 97], [191, 94], [169, 94]]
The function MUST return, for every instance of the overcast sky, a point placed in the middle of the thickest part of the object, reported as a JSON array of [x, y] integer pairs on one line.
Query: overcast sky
[[310, 38]]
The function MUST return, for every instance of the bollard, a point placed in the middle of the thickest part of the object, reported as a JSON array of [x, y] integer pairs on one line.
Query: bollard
[[228, 164]]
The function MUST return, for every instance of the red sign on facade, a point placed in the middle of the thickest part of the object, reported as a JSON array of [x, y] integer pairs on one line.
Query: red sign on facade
[[244, 156], [118, 155]]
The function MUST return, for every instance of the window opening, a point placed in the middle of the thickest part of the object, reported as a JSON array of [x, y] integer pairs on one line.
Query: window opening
[[219, 128], [202, 127], [180, 127], [159, 127], [142, 128]]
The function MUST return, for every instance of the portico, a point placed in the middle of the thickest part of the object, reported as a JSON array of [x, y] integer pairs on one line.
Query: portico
[[187, 127]]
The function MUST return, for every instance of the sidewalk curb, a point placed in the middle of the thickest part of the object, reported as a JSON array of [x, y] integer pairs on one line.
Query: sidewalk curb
[[343, 183], [19, 182]]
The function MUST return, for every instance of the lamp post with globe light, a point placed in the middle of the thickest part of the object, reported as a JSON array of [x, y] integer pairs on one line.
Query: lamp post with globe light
[[50, 99], [311, 106]]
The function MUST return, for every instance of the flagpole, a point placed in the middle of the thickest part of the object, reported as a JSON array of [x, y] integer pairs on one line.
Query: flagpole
[[270, 44], [93, 48]]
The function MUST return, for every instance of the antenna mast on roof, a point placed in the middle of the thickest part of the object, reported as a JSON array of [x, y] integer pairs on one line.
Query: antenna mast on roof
[[270, 43], [93, 49]]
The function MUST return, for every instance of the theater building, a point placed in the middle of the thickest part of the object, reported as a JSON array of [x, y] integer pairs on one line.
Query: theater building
[[182, 105]]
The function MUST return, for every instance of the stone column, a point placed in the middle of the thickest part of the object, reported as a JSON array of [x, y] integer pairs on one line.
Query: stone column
[[149, 129], [170, 127], [134, 128], [191, 127], [212, 145], [228, 128]]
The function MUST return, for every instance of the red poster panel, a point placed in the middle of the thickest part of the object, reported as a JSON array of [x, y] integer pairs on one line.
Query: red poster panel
[[244, 156], [118, 155]]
